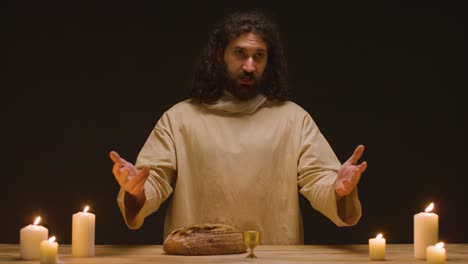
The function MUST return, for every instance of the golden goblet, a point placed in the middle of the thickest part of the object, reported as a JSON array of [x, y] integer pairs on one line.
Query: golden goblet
[[251, 240]]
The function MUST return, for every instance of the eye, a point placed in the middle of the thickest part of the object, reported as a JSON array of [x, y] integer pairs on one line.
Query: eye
[[260, 56], [239, 52]]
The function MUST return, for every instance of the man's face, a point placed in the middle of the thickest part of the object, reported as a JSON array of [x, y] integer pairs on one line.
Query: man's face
[[246, 58]]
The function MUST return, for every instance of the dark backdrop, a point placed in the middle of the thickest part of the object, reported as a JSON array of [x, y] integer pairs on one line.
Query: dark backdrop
[[81, 81]]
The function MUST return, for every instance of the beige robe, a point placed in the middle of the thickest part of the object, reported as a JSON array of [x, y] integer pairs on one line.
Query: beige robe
[[241, 164]]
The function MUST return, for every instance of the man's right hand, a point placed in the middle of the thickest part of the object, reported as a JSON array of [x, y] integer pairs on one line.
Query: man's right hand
[[129, 178]]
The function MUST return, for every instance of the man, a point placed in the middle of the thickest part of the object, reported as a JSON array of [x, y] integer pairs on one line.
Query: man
[[238, 150]]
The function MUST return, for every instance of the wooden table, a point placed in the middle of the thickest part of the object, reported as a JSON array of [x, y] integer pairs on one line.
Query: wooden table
[[141, 254]]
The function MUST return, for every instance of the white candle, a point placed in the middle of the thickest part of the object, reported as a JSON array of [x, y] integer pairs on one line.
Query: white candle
[[49, 250], [436, 254], [83, 233], [377, 248], [30, 239], [426, 231]]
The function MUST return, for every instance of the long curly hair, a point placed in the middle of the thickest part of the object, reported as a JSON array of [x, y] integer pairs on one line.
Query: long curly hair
[[208, 83]]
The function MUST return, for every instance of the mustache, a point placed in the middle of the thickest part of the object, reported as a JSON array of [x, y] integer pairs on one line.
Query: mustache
[[247, 75]]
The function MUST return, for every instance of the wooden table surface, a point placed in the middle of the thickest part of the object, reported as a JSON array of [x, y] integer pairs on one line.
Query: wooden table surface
[[141, 254]]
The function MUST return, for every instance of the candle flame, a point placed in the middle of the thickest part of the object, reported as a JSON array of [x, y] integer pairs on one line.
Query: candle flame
[[429, 208], [379, 236], [440, 245], [86, 209], [52, 239], [38, 219]]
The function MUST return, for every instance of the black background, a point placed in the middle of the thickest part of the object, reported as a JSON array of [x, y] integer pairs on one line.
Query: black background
[[83, 80]]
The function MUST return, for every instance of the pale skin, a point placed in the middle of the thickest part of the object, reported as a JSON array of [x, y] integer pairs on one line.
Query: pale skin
[[132, 181], [350, 173], [246, 53]]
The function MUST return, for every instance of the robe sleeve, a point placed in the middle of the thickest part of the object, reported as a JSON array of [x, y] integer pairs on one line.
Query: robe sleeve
[[159, 153], [317, 171]]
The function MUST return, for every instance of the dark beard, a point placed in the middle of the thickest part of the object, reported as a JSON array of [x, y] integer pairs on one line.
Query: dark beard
[[242, 92]]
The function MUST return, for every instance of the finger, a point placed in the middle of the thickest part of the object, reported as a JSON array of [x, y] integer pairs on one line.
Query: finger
[[138, 180], [122, 169], [363, 166], [355, 179], [116, 169], [343, 190], [340, 191], [339, 188], [139, 185], [357, 154], [347, 184], [145, 171], [115, 157], [122, 177]]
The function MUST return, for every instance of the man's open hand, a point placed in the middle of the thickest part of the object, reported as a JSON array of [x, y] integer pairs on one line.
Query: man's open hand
[[128, 177], [350, 173]]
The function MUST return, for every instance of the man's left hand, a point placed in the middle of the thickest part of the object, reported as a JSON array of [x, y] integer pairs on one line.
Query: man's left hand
[[350, 173]]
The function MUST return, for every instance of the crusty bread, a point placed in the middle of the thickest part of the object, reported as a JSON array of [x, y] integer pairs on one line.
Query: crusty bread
[[204, 239]]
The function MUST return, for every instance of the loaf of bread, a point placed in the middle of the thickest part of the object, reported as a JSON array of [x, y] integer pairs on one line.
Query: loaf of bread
[[204, 239]]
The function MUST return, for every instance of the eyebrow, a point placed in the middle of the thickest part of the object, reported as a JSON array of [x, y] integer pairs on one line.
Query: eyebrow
[[244, 48]]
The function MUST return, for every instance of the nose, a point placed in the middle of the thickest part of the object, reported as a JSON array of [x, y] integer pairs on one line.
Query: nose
[[249, 65]]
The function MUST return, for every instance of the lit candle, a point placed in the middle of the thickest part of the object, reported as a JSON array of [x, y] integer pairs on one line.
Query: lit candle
[[83, 233], [426, 230], [49, 250], [30, 239], [436, 254], [377, 248]]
